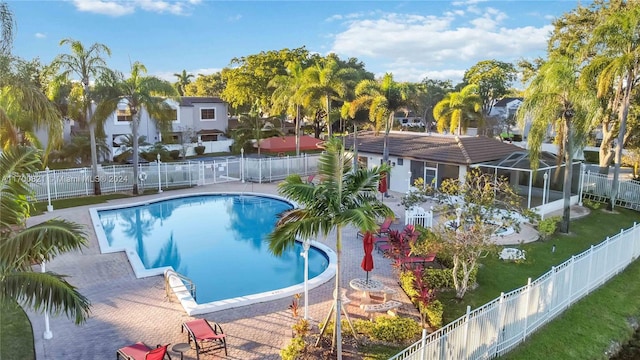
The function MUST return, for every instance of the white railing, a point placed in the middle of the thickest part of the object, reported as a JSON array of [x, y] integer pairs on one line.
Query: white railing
[[419, 216], [502, 324], [598, 187], [68, 183]]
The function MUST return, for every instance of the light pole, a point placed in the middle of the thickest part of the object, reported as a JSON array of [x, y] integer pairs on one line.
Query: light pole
[[49, 207], [47, 331], [544, 190], [242, 164], [159, 180], [306, 244]]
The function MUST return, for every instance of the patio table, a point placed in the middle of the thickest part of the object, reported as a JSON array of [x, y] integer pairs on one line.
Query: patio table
[[366, 286]]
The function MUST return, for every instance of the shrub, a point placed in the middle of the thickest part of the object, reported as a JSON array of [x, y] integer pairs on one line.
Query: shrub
[[174, 154], [199, 150], [301, 328], [294, 349], [548, 226], [395, 329], [591, 204], [434, 310]]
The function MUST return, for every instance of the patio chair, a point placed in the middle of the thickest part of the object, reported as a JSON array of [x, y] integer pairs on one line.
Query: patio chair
[[384, 228], [202, 333], [140, 351], [411, 261]]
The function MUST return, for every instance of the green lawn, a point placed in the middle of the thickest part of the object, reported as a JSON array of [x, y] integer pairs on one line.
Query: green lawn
[[41, 207], [16, 336]]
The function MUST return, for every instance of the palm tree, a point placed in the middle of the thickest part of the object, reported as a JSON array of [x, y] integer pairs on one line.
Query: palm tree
[[556, 98], [617, 67], [253, 127], [86, 63], [21, 246], [184, 79], [288, 97], [457, 109], [24, 108], [342, 198], [382, 98], [136, 93], [326, 79], [6, 28]]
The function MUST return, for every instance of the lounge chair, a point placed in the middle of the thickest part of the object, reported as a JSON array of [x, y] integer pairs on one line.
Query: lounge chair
[[140, 351], [201, 333], [410, 261], [384, 228]]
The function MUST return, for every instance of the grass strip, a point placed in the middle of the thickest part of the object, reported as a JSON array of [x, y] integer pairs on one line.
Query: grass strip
[[41, 207], [16, 336]]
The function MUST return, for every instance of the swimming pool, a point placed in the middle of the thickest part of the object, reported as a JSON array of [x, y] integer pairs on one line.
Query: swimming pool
[[216, 240]]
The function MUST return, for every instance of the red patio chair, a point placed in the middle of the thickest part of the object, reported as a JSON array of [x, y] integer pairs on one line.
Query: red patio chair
[[410, 261], [140, 351], [384, 228], [201, 333]]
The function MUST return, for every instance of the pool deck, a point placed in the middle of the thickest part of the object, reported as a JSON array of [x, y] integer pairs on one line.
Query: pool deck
[[126, 310]]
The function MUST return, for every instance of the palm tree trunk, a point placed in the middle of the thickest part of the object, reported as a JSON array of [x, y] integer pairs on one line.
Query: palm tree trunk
[[134, 131], [624, 112], [566, 187], [92, 138], [297, 130], [355, 147], [329, 116]]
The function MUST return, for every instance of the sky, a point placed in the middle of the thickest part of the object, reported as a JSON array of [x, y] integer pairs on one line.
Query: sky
[[411, 39]]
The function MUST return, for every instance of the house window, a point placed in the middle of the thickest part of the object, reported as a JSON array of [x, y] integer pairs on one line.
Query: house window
[[172, 114], [210, 137], [207, 114], [123, 115], [400, 161]]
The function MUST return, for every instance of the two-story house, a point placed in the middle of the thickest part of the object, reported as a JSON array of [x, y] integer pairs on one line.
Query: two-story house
[[197, 120]]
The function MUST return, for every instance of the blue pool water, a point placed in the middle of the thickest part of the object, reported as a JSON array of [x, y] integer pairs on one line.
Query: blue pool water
[[218, 241]]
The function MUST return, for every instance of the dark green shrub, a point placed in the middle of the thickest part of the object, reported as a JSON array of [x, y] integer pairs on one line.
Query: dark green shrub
[[443, 278], [395, 329], [199, 150], [174, 154]]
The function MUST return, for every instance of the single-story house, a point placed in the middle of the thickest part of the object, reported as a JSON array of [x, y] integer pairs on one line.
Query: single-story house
[[433, 157]]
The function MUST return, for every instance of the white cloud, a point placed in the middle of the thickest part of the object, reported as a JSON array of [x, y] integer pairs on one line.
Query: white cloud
[[120, 8], [414, 46], [234, 18], [40, 35]]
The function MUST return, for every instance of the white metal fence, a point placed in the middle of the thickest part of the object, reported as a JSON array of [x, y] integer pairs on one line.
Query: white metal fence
[[598, 187], [419, 216], [67, 183], [502, 324]]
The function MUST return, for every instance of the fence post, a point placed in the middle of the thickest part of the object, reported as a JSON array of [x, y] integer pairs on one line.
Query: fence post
[[214, 171], [620, 264], [227, 169], [55, 184], [202, 173], [115, 181], [572, 264], [189, 171], [423, 345], [260, 170], [270, 170], [288, 164], [526, 309], [49, 207], [159, 178], [581, 184], [499, 329], [590, 266], [606, 258], [84, 176], [166, 176], [466, 332]]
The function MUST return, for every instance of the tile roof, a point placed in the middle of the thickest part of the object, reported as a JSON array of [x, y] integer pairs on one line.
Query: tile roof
[[504, 101], [190, 100], [436, 148]]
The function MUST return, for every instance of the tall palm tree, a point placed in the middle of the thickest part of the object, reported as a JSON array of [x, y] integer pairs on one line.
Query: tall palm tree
[[137, 93], [287, 96], [24, 108], [342, 198], [326, 79], [253, 127], [6, 28], [555, 98], [21, 246], [617, 68], [184, 79], [86, 63], [382, 98], [457, 109]]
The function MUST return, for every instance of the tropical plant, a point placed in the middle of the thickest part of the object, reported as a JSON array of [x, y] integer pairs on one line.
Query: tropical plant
[[22, 246], [556, 98], [328, 80], [253, 127], [287, 97], [343, 197], [382, 98], [86, 63], [6, 28], [457, 109], [137, 93], [184, 79], [617, 66]]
